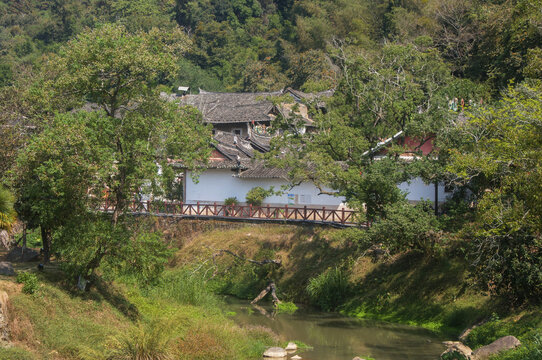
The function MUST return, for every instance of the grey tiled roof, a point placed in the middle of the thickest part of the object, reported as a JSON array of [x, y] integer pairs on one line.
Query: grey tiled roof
[[223, 108], [258, 170], [233, 145], [260, 142]]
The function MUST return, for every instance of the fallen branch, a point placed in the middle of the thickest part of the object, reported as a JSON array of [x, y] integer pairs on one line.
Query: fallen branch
[[270, 288]]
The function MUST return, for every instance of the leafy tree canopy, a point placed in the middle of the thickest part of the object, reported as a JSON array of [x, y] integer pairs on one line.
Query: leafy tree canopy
[[115, 149], [402, 88], [500, 158]]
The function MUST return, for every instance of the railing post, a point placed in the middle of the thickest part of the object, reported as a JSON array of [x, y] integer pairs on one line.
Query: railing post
[[342, 219], [250, 210], [267, 216], [305, 212], [286, 211], [324, 213], [214, 211], [197, 211]]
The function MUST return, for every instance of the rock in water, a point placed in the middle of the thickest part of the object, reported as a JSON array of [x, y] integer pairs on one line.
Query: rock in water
[[6, 268], [291, 346], [296, 357], [358, 358], [502, 344], [456, 351], [275, 352]]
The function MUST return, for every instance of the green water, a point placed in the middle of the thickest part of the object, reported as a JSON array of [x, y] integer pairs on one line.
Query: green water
[[335, 337]]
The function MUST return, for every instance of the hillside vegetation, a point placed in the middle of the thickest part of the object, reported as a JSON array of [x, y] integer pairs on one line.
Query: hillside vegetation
[[173, 319], [331, 270]]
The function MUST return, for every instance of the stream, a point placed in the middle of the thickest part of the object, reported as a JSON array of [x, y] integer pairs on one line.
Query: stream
[[336, 337]]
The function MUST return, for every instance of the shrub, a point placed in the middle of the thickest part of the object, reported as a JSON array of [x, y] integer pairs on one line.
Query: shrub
[[328, 289], [256, 196], [406, 227], [286, 307], [508, 262], [30, 281], [231, 201]]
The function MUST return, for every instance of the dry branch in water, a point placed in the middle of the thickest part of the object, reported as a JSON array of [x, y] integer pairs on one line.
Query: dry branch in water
[[271, 287]]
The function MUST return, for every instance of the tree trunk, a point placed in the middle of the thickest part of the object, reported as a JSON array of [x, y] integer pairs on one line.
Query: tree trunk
[[46, 243], [24, 236], [84, 281]]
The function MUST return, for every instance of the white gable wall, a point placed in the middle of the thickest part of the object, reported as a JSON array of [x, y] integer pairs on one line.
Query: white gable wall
[[215, 185], [417, 190]]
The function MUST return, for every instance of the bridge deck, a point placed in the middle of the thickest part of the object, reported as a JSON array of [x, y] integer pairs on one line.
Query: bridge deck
[[267, 213]]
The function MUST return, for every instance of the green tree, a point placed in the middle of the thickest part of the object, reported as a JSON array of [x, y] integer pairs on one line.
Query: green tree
[[54, 173], [500, 160], [404, 227], [120, 146], [401, 89]]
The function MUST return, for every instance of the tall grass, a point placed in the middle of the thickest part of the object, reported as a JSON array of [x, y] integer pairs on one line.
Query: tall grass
[[185, 286], [328, 289], [14, 353], [146, 341]]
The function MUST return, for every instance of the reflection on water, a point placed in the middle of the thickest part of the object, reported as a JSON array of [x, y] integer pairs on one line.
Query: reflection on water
[[340, 338]]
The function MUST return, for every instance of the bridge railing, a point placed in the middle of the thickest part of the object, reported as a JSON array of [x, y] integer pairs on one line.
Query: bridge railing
[[267, 212]]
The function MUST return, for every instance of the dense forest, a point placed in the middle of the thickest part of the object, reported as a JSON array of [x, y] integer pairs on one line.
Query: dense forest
[[251, 45]]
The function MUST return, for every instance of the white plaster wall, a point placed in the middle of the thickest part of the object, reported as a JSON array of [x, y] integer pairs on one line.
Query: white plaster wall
[[417, 190], [215, 185]]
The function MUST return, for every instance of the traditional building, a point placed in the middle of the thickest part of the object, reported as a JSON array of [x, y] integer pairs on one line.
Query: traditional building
[[240, 129], [233, 171]]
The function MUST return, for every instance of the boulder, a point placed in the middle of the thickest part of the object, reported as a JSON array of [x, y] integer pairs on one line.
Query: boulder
[[275, 352], [502, 344], [18, 255], [456, 351], [291, 346], [296, 357], [6, 268]]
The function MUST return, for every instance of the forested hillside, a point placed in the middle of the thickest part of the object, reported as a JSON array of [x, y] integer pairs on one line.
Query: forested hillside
[[82, 119], [253, 45]]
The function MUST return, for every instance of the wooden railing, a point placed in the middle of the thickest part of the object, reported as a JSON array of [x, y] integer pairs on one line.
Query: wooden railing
[[285, 213]]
